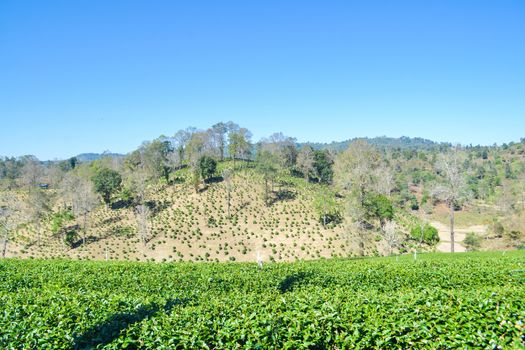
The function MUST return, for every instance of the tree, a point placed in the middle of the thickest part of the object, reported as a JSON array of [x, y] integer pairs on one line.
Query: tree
[[239, 144], [10, 219], [306, 161], [326, 206], [137, 182], [227, 175], [31, 172], [143, 213], [197, 147], [472, 241], [207, 167], [10, 171], [323, 166], [424, 233], [68, 165], [106, 182], [84, 201], [219, 132], [155, 158], [180, 141], [354, 168], [391, 235], [59, 221], [354, 173], [378, 206], [385, 180], [37, 202], [453, 190], [37, 206], [282, 148], [266, 164]]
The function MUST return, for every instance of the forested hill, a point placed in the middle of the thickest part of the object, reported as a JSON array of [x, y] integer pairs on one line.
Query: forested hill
[[89, 157], [384, 142]]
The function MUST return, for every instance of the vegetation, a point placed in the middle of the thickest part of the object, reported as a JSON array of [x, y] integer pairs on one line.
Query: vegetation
[[107, 182], [424, 233], [438, 301], [183, 197]]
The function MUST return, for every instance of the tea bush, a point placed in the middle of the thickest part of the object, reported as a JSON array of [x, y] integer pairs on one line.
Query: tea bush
[[472, 300]]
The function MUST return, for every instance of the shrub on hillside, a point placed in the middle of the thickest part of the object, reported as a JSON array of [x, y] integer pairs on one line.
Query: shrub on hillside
[[428, 234]]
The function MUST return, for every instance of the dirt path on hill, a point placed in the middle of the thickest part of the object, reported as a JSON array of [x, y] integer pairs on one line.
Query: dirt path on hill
[[460, 233]]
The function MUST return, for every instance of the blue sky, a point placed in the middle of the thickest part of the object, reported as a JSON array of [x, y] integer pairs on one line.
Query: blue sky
[[88, 76]]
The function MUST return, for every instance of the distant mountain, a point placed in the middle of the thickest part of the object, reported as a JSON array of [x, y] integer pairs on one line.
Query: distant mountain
[[402, 142], [89, 157]]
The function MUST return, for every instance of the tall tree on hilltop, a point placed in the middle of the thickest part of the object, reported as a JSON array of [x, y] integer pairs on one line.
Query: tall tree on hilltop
[[180, 142], [219, 132], [239, 144], [155, 158]]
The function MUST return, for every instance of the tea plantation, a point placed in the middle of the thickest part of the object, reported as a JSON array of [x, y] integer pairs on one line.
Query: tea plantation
[[473, 300]]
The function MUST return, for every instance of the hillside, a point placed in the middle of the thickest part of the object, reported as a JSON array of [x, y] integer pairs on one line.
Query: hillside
[[195, 226], [214, 195]]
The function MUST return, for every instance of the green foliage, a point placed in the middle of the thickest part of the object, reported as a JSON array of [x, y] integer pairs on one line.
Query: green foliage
[[155, 155], [428, 236], [472, 241], [327, 208], [59, 225], [323, 167], [414, 205], [67, 165], [378, 206], [470, 300], [106, 182], [207, 167], [59, 219]]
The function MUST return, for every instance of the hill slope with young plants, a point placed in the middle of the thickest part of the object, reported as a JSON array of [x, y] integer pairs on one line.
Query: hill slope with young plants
[[215, 195]]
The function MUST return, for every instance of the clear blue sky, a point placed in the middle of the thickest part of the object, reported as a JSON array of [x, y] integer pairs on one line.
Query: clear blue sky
[[87, 76]]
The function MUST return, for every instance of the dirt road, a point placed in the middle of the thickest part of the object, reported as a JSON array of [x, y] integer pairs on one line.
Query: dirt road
[[460, 233]]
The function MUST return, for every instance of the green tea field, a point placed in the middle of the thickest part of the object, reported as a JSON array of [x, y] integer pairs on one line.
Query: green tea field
[[470, 300]]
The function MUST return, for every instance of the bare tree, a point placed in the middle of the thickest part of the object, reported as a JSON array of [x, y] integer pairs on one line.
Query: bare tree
[[37, 206], [305, 161], [453, 191], [10, 218], [355, 168], [385, 181], [355, 173], [143, 214], [391, 235], [138, 182], [180, 141], [32, 172], [227, 175], [84, 201], [67, 188]]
